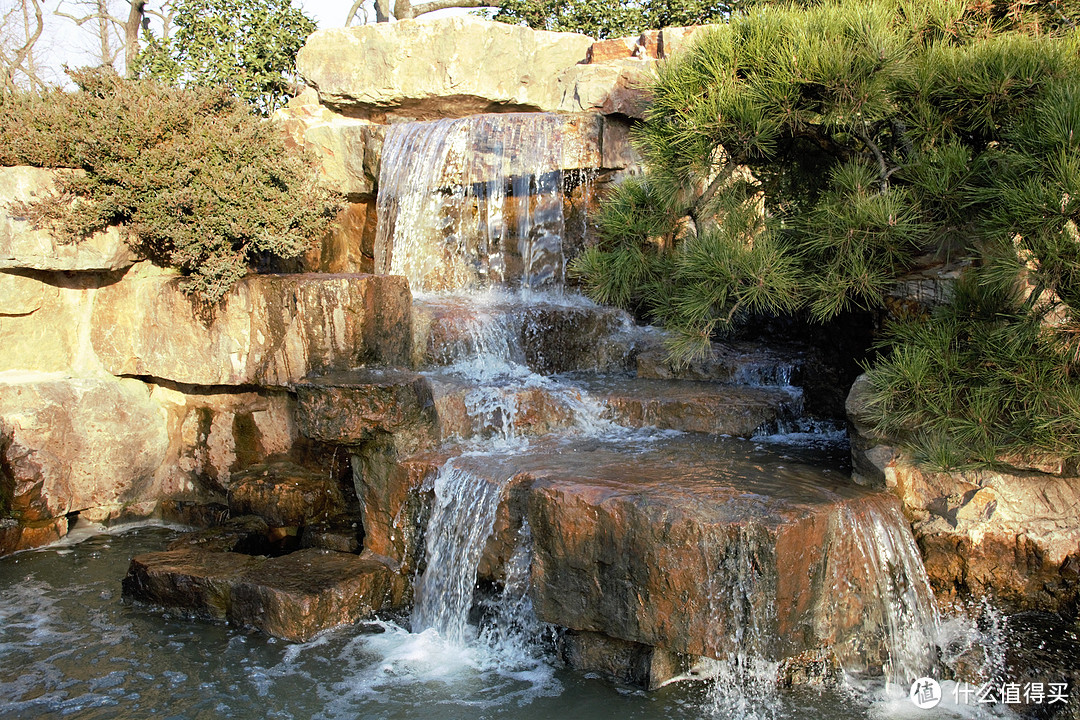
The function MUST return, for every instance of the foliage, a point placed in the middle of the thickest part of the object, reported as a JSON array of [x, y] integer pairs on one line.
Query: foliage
[[613, 19], [981, 381], [867, 134], [196, 181], [247, 45]]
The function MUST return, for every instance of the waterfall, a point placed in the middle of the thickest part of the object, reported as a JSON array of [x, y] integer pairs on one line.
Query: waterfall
[[474, 201], [461, 522], [875, 571]]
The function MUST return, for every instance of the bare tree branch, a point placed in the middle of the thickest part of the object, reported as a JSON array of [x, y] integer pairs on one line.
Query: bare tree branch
[[21, 60], [357, 4]]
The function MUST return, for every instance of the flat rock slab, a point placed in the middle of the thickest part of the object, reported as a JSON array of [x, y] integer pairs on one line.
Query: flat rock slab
[[699, 407], [299, 595], [187, 579], [548, 337], [449, 67], [688, 543], [285, 495], [349, 408], [294, 596]]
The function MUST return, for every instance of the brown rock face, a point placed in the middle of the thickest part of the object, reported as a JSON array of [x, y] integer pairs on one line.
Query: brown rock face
[[272, 329], [549, 338], [294, 596], [299, 595], [23, 246], [665, 552], [619, 660], [694, 406], [285, 495], [77, 444], [1013, 535], [350, 408], [187, 579]]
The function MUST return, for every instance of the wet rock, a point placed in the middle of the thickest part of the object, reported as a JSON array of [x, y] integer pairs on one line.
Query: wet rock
[[350, 408], [248, 534], [193, 512], [666, 550], [621, 661], [465, 411], [299, 595], [547, 337], [16, 536], [695, 406], [75, 444], [341, 534], [394, 492], [271, 329], [439, 68], [735, 362], [27, 247], [285, 495], [188, 579], [1009, 534]]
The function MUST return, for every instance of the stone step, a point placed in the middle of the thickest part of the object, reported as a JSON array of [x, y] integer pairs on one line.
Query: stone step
[[294, 597], [740, 363], [697, 407], [685, 543], [548, 336], [285, 495]]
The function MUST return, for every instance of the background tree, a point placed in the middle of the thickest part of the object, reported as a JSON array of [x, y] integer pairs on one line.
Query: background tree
[[21, 27], [798, 161], [249, 46]]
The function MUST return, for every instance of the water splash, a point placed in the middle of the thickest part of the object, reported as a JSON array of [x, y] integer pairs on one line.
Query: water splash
[[875, 573], [461, 522], [472, 201]]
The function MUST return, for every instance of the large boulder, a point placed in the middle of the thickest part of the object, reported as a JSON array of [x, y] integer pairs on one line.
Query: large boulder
[[79, 445], [448, 67], [1010, 533], [24, 246], [272, 330]]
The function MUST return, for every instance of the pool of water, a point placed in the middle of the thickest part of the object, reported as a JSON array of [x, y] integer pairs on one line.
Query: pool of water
[[70, 646]]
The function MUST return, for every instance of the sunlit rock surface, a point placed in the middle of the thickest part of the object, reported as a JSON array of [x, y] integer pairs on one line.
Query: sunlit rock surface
[[447, 68], [24, 246], [78, 445], [270, 330], [1011, 534]]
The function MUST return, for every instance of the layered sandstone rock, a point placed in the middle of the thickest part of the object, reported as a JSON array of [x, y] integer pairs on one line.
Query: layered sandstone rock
[[271, 329], [1012, 534], [26, 247], [423, 69], [79, 445], [439, 68]]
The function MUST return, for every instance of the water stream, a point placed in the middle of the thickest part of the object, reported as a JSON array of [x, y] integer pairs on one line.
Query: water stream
[[471, 211]]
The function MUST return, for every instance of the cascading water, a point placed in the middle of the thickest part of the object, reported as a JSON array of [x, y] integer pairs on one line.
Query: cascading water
[[460, 524], [472, 201], [474, 205]]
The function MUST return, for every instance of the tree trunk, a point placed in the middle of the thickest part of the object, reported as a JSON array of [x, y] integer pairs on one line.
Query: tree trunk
[[131, 35], [383, 11], [24, 56]]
